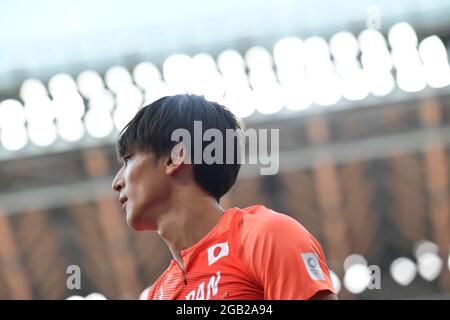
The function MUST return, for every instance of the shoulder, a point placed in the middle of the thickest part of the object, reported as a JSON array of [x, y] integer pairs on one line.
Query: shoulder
[[260, 223], [260, 218]]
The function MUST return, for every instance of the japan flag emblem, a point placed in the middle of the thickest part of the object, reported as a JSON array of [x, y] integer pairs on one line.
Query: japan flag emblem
[[217, 251]]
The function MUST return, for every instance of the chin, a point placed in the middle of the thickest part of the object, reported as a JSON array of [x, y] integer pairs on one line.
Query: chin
[[136, 223]]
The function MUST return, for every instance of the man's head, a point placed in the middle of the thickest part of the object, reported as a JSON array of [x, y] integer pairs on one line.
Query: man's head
[[149, 177]]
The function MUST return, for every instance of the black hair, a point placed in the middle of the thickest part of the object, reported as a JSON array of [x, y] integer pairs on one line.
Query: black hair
[[151, 130]]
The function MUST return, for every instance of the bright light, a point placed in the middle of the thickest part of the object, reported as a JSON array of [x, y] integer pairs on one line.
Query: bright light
[[381, 85], [288, 54], [258, 57], [117, 77], [448, 262], [89, 82], [354, 84], [344, 46], [326, 91], [70, 107], [207, 79], [354, 259], [371, 40], [14, 138], [11, 113], [158, 90], [434, 57], [432, 51], [268, 100], [98, 123], [411, 80], [230, 62], [425, 246], [32, 88], [204, 62], [178, 71], [317, 54], [240, 101], [39, 110], [430, 266], [402, 35], [122, 116], [379, 61], [102, 100], [336, 281], [297, 97], [357, 278], [75, 297], [61, 85], [403, 271], [42, 134], [428, 261], [95, 296], [129, 97], [70, 130], [261, 78], [145, 74]]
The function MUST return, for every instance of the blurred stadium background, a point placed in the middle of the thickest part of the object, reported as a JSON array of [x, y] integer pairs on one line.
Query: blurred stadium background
[[359, 90]]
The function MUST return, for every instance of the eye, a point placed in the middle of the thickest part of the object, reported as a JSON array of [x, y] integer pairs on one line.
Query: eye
[[126, 158]]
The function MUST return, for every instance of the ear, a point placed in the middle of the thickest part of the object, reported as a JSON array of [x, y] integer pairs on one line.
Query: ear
[[176, 160]]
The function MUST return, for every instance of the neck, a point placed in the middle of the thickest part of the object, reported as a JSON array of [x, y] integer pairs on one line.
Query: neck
[[190, 217]]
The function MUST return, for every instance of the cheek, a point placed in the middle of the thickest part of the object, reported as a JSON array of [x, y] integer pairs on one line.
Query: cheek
[[147, 186]]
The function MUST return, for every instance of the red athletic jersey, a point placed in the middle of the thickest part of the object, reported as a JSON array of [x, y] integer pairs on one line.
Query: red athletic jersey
[[252, 253]]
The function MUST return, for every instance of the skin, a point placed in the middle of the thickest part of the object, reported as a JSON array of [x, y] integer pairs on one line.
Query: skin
[[162, 195]]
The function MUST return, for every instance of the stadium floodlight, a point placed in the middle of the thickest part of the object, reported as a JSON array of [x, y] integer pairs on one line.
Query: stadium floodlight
[[102, 100], [95, 296], [258, 57], [42, 134], [145, 74], [269, 99], [230, 62], [69, 107], [428, 261], [402, 35], [32, 88], [117, 77], [357, 278], [371, 40], [62, 84], [39, 110], [354, 259], [430, 266], [13, 138], [435, 59], [11, 113], [129, 97], [344, 46], [178, 72], [336, 281], [240, 101], [123, 115], [98, 122], [89, 83], [70, 130], [403, 270], [288, 54]]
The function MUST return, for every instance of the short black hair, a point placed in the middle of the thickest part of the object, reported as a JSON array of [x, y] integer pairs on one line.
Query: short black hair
[[151, 129]]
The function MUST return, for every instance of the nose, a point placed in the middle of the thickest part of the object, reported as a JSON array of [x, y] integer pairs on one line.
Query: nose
[[118, 183]]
